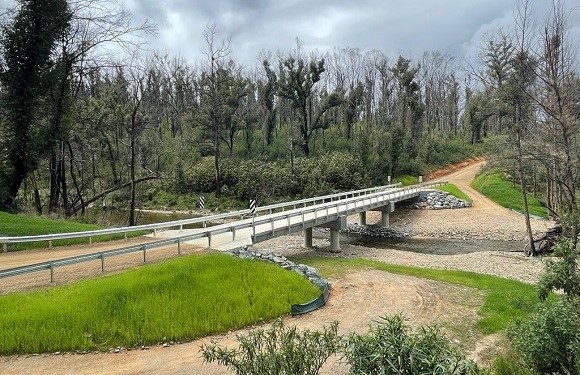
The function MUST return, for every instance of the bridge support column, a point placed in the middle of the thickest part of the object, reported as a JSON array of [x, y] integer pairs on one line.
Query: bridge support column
[[307, 237], [362, 218], [384, 219], [334, 240], [385, 211], [335, 227]]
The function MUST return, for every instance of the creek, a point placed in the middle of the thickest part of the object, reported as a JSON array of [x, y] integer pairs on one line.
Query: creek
[[437, 246]]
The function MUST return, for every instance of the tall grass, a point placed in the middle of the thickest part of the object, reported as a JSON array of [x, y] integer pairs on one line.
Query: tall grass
[[180, 299], [495, 187], [15, 225], [505, 300]]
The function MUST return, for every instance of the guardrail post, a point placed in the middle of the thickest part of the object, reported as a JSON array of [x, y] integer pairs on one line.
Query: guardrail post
[[90, 240], [51, 272], [125, 236], [179, 246], [102, 262], [144, 254], [4, 247], [208, 239], [180, 228], [155, 232], [50, 244], [272, 226]]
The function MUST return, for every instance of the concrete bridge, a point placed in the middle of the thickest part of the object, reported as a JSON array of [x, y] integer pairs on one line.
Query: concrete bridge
[[329, 214], [298, 216]]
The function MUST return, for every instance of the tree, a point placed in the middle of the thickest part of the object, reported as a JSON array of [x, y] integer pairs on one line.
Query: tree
[[28, 46], [222, 88], [267, 97], [297, 81]]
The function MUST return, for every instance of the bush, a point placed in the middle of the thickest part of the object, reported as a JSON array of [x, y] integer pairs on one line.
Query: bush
[[277, 351], [391, 348], [549, 341], [510, 364]]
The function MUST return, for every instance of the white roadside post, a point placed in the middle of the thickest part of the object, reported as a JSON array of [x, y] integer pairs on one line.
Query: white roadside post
[[202, 207], [253, 212]]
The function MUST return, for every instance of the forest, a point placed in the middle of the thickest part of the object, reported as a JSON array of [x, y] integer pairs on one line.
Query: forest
[[90, 117]]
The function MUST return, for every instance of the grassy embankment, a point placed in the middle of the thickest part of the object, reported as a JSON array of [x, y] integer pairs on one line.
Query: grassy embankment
[[495, 187], [177, 300], [12, 225], [193, 296]]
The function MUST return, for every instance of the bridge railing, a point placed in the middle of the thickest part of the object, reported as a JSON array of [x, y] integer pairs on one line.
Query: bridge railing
[[5, 241], [351, 205]]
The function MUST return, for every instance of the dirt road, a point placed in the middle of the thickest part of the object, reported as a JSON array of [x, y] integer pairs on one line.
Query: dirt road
[[357, 299]]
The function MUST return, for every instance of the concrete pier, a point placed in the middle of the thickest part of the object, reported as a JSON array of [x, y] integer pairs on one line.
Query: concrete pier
[[362, 218], [385, 211], [334, 240], [307, 237]]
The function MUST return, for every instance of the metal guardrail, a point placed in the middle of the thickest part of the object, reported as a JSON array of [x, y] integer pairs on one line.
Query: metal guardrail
[[5, 241], [351, 205]]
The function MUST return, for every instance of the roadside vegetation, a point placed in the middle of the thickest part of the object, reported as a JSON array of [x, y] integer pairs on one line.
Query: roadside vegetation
[[493, 185], [455, 191], [177, 300], [14, 225]]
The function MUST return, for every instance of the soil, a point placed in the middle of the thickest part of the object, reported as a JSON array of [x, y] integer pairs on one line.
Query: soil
[[357, 299]]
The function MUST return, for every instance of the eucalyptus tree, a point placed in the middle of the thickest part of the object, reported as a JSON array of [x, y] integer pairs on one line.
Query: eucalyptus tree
[[222, 88], [409, 107], [29, 42], [266, 94], [557, 95], [298, 80]]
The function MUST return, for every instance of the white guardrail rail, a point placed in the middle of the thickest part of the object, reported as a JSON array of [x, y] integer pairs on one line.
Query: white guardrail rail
[[323, 213], [5, 241]]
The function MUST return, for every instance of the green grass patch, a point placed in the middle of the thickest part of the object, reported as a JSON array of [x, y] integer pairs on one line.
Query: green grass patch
[[501, 191], [15, 225], [454, 190], [180, 299], [406, 180], [505, 300]]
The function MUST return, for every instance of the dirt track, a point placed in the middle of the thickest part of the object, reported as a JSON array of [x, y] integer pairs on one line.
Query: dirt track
[[357, 299]]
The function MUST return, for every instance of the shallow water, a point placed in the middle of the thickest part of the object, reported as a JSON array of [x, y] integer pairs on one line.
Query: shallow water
[[434, 245]]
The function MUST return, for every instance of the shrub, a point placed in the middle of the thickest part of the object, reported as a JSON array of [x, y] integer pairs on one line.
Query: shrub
[[562, 275], [510, 364], [391, 348], [549, 341], [279, 350]]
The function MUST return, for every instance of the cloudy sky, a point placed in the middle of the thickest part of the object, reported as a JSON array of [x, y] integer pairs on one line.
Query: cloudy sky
[[407, 27], [395, 27]]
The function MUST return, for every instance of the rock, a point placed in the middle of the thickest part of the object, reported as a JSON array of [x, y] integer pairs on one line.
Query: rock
[[438, 200], [374, 231]]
